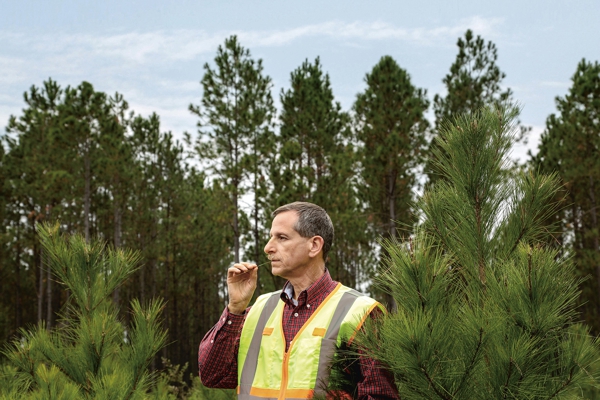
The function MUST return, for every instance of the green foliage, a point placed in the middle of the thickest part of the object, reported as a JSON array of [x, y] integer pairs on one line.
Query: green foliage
[[570, 147], [171, 385], [75, 155], [91, 354], [316, 161], [390, 126], [485, 309], [235, 117], [143, 194], [312, 128], [474, 82]]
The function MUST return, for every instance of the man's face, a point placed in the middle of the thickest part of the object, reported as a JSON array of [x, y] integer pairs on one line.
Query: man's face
[[287, 250]]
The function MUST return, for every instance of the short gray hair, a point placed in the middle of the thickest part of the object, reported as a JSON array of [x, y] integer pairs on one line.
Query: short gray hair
[[312, 221]]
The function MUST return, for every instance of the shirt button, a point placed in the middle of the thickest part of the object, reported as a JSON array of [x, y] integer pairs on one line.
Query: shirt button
[[229, 322], [212, 341], [308, 306], [295, 314]]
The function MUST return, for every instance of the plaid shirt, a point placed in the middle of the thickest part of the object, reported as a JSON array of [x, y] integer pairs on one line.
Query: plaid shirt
[[217, 355]]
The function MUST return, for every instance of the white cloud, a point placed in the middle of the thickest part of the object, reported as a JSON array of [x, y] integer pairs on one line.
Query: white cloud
[[162, 45], [373, 31], [134, 63]]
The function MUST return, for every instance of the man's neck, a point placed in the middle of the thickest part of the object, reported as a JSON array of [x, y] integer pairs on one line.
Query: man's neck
[[306, 280]]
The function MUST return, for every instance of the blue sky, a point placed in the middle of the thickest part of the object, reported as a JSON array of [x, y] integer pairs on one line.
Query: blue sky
[[153, 51]]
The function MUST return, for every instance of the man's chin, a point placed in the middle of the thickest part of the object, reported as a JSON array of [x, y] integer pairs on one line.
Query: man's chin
[[275, 268]]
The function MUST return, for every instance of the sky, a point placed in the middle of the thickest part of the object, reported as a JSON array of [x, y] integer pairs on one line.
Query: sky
[[153, 52]]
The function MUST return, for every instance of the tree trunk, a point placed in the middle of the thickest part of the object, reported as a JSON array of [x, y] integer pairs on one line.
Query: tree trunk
[[48, 297], [40, 292], [595, 229], [18, 307], [236, 228], [87, 195], [392, 224], [116, 233], [392, 204], [49, 281], [256, 236]]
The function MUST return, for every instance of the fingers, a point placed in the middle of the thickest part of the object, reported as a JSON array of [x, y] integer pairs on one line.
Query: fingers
[[241, 268]]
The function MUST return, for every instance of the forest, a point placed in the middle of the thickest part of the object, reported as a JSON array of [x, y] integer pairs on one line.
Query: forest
[[192, 204]]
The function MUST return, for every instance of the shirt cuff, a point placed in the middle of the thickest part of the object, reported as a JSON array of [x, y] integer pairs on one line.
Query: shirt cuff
[[231, 322]]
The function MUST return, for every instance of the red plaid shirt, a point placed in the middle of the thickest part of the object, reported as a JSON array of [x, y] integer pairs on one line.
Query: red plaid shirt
[[217, 355]]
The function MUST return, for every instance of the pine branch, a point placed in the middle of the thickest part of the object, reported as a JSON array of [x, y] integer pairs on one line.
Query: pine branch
[[471, 365]]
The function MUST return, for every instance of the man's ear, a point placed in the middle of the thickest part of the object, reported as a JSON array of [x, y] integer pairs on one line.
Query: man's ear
[[316, 245]]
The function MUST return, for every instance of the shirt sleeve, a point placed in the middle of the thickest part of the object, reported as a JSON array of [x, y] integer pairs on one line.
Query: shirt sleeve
[[376, 381], [217, 354]]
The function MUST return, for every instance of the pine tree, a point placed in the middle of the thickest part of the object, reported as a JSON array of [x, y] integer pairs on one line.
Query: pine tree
[[570, 146], [82, 115], [474, 82], [312, 125], [485, 309], [115, 167], [391, 127], [91, 354], [235, 115], [37, 184], [316, 162]]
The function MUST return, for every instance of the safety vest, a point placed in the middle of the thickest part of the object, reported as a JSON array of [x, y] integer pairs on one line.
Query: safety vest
[[267, 371]]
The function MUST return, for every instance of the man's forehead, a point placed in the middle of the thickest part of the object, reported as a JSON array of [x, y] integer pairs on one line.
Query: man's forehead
[[284, 221]]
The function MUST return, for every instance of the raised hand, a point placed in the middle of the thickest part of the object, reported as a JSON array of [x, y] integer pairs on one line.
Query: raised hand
[[241, 283]]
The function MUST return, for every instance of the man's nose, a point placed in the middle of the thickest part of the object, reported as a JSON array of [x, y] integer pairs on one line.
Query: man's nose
[[269, 246]]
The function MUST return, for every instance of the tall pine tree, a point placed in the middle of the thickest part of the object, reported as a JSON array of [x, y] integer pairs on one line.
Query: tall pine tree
[[316, 162], [570, 146], [474, 82], [235, 113], [390, 126], [485, 309]]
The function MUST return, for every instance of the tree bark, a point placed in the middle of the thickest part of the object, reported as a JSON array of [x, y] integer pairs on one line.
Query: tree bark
[[18, 307], [392, 203], [48, 296], [236, 228], [49, 280], [116, 232], [595, 228], [87, 194], [40, 291], [392, 223]]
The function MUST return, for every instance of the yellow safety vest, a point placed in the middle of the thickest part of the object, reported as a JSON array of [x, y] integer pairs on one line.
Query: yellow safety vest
[[267, 371]]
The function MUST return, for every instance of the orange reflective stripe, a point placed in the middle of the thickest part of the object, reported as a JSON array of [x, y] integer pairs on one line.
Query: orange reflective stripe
[[329, 296], [286, 356], [247, 364], [362, 321], [291, 393], [300, 393], [260, 392], [266, 367]]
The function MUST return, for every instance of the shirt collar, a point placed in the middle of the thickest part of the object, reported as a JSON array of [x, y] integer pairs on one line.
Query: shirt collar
[[314, 293]]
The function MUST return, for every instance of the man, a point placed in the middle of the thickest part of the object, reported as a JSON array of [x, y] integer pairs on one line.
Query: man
[[282, 347]]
